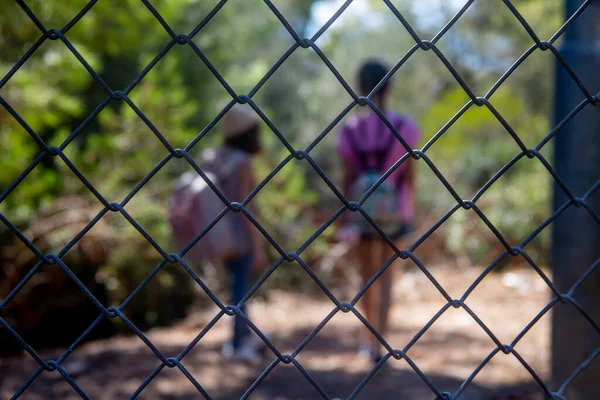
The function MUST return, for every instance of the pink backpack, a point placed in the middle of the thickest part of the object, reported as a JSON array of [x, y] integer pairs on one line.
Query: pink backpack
[[193, 205]]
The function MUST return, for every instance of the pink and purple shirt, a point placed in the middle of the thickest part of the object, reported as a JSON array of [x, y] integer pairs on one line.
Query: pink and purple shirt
[[375, 138]]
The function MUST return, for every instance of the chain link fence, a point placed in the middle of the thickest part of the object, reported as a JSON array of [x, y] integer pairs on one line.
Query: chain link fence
[[588, 99]]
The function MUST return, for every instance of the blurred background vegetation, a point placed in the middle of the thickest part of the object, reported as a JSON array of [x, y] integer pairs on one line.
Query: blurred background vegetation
[[54, 93]]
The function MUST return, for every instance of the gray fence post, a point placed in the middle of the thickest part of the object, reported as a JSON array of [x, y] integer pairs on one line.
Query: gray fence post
[[576, 235]]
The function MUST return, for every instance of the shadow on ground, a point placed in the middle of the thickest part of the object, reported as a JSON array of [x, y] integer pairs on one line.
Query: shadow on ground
[[114, 369]]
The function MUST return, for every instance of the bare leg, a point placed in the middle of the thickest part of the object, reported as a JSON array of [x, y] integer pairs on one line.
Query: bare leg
[[369, 298], [386, 284], [373, 254]]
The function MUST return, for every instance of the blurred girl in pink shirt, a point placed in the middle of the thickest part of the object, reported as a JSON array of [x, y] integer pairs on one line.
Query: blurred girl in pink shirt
[[368, 148]]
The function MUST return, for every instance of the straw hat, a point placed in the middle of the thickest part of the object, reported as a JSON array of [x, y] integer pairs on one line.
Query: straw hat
[[238, 120]]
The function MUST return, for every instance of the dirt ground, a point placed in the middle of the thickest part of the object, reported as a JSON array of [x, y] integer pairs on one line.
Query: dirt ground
[[447, 353]]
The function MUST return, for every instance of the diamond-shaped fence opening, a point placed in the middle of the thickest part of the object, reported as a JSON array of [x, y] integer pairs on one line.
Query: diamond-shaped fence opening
[[174, 358]]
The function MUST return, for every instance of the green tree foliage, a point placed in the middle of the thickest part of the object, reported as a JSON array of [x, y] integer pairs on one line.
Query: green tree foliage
[[481, 46], [54, 93]]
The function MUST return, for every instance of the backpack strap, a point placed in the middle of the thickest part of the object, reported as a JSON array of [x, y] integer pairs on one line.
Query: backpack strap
[[230, 164], [380, 154], [383, 152], [360, 155], [223, 165]]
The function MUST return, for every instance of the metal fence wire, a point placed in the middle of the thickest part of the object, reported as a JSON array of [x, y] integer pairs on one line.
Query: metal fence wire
[[588, 99]]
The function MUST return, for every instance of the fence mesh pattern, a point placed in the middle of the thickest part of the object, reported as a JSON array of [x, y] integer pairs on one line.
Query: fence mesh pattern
[[115, 95]]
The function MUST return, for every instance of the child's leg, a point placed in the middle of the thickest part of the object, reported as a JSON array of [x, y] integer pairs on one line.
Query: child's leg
[[369, 298], [377, 298], [386, 282], [240, 278], [387, 285]]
